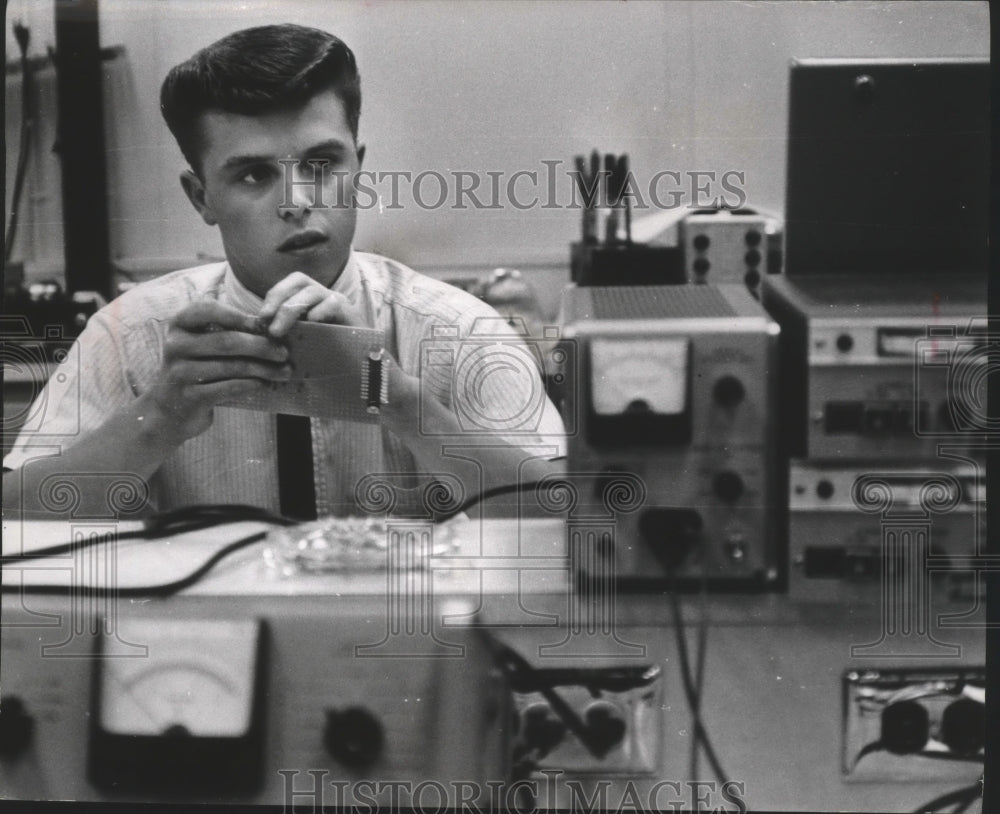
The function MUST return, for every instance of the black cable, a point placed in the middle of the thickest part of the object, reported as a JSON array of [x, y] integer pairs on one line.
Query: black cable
[[950, 756], [963, 797], [162, 590], [879, 746], [513, 663], [867, 749], [23, 37], [690, 692], [195, 518], [962, 806], [700, 655], [496, 491], [175, 521], [693, 687]]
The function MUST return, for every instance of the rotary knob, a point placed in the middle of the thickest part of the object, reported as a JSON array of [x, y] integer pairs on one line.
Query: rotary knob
[[606, 725], [353, 736], [905, 727], [728, 486], [542, 729], [963, 726], [16, 727], [728, 391]]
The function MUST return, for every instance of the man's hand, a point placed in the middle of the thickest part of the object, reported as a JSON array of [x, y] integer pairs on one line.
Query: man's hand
[[299, 296], [212, 353]]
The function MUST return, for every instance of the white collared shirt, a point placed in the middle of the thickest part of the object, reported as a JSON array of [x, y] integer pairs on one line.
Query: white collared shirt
[[117, 358]]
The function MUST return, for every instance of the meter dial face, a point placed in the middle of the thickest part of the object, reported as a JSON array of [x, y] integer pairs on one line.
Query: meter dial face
[[198, 674], [628, 371]]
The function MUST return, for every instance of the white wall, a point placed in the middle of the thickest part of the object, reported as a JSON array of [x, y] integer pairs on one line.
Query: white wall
[[503, 86]]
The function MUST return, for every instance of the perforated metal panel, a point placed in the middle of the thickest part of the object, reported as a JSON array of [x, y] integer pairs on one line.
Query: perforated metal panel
[[658, 302]]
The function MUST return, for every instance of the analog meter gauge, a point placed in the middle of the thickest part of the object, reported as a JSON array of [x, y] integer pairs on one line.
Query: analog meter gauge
[[639, 389], [187, 716], [639, 374]]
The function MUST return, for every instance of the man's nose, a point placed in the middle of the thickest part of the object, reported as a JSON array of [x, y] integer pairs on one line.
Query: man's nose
[[302, 192], [300, 202]]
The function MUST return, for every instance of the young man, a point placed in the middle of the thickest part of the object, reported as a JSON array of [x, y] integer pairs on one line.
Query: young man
[[142, 393]]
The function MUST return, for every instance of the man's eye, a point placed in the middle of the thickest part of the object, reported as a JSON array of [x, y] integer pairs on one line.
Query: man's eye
[[325, 165], [255, 175]]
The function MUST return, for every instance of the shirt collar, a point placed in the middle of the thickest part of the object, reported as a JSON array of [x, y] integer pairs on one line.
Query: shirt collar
[[242, 298]]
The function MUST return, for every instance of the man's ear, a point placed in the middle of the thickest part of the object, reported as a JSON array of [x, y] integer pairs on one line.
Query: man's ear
[[195, 190]]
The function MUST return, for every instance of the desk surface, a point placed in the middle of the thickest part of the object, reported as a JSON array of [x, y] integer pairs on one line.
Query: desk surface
[[506, 551], [774, 669], [499, 557]]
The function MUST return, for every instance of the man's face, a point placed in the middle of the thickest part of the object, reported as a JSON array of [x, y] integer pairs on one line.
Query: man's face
[[243, 187]]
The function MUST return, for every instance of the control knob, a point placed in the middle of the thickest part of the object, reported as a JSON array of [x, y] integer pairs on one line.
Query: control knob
[[963, 726], [542, 729], [16, 727], [353, 736], [728, 486], [905, 727], [606, 725], [728, 391]]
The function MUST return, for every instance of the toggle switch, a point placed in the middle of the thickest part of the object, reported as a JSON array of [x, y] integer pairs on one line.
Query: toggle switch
[[606, 725]]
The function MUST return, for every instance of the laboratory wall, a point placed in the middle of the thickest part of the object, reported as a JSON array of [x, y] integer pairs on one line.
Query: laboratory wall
[[502, 88]]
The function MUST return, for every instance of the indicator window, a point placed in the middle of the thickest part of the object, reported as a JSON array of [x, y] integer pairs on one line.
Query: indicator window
[[639, 376], [188, 718], [198, 676], [898, 342], [639, 391]]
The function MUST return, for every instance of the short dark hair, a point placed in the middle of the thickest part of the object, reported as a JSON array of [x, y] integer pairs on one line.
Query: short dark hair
[[258, 70]]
